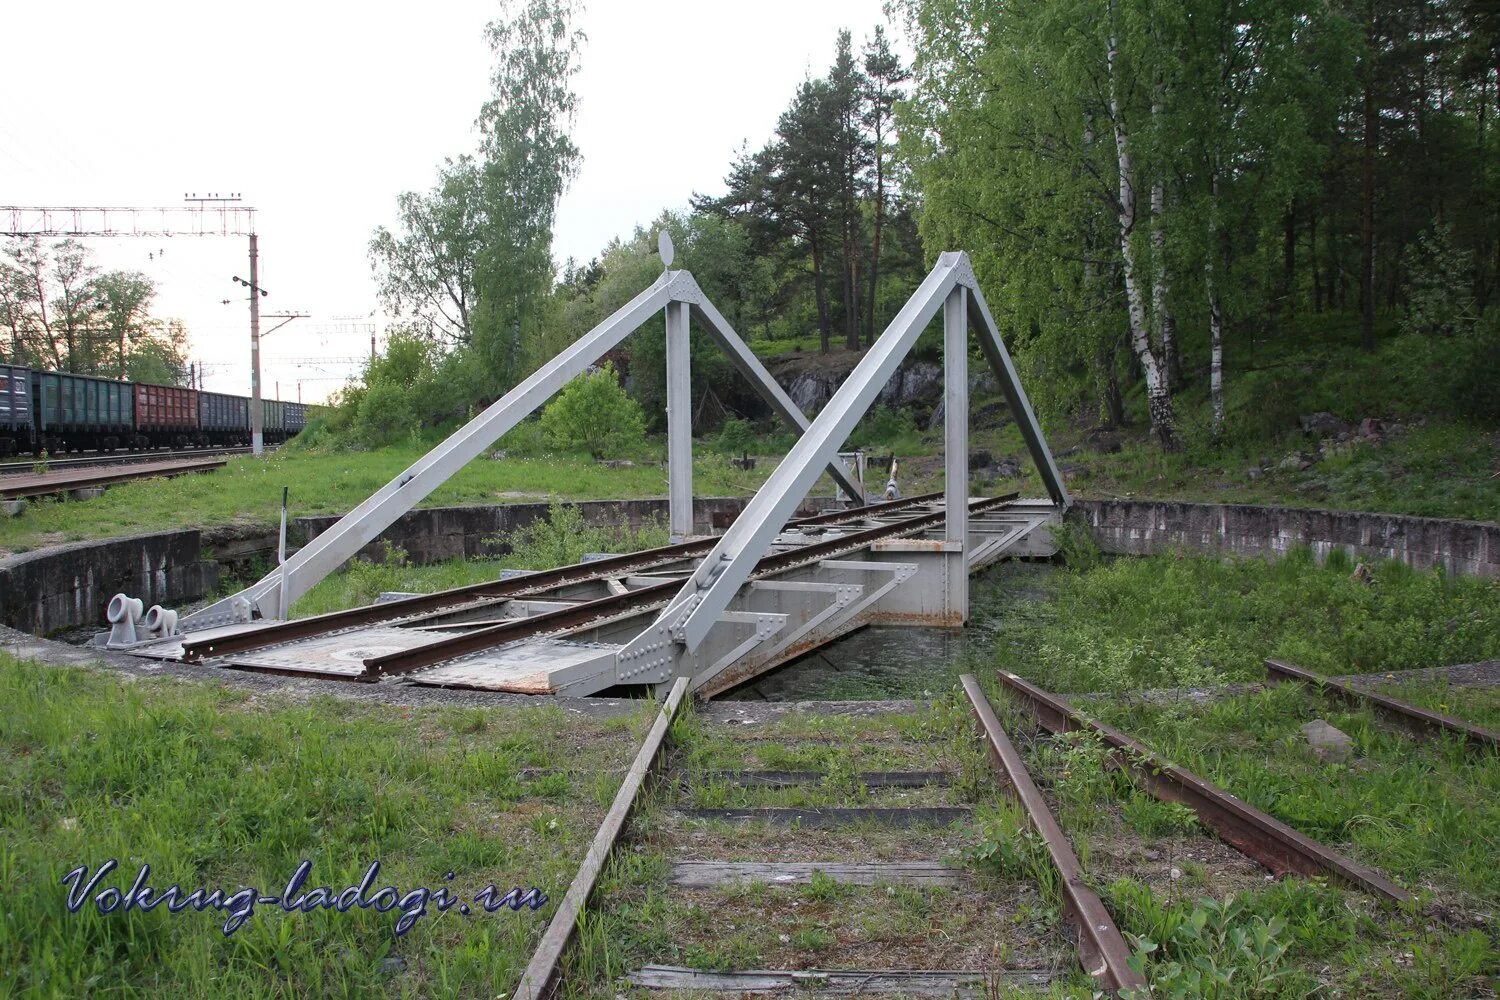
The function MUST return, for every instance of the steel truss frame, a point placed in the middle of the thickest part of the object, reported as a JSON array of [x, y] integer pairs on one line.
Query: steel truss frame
[[703, 601], [768, 590], [679, 295]]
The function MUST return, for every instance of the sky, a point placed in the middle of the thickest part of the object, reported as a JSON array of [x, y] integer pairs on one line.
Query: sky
[[319, 114]]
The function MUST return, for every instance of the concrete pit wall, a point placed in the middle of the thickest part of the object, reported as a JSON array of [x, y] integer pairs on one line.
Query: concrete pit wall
[[67, 586], [1144, 527], [436, 534]]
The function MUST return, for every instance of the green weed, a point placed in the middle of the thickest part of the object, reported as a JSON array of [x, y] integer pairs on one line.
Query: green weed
[[1188, 621], [214, 788]]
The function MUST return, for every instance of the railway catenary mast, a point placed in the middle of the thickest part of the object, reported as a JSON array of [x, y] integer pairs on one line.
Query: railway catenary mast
[[202, 215]]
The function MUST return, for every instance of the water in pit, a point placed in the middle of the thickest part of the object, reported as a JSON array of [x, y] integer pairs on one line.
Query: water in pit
[[889, 661]]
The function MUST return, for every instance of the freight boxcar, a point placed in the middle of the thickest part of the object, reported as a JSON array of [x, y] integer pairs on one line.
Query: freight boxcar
[[15, 410], [165, 416], [296, 418], [223, 419], [273, 421], [74, 412]]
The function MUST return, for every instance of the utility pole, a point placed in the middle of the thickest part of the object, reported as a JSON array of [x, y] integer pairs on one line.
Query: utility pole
[[201, 215], [257, 444]]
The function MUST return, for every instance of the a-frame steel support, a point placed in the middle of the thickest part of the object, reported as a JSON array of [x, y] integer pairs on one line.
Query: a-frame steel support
[[677, 293], [951, 286]]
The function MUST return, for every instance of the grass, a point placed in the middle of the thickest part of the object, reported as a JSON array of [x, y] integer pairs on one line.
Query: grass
[[561, 539], [1439, 469], [248, 491], [1477, 705], [214, 787], [1182, 621], [1424, 813]]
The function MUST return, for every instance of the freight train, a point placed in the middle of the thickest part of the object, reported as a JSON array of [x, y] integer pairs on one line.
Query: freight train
[[60, 412]]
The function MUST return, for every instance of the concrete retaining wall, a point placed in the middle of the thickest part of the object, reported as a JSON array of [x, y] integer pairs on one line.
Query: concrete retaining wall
[[435, 534], [67, 586], [1142, 527]]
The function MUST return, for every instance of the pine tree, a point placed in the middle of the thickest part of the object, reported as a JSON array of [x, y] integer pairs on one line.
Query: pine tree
[[884, 75]]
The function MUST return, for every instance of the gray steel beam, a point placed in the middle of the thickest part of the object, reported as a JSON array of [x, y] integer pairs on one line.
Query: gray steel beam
[[748, 365], [1015, 395], [706, 595], [956, 441], [359, 527], [679, 424]]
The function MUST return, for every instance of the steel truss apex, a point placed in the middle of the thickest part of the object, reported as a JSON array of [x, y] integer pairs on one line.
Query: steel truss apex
[[950, 286], [273, 594]]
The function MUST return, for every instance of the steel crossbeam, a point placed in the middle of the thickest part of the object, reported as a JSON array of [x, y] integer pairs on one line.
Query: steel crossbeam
[[950, 287], [677, 293], [762, 594]]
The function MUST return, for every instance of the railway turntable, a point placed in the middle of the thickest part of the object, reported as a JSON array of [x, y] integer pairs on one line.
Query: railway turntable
[[718, 610]]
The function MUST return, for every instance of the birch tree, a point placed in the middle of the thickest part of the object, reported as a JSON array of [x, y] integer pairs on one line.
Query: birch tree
[[1158, 392], [424, 268]]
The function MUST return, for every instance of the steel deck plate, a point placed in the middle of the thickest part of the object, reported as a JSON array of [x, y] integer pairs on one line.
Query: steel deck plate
[[542, 666], [171, 649], [342, 654]]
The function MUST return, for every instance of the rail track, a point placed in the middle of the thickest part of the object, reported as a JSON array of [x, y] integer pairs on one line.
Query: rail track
[[1420, 722], [120, 458], [18, 487], [567, 630], [841, 861]]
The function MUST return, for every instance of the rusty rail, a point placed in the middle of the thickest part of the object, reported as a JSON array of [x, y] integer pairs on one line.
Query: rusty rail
[[460, 597], [14, 487], [644, 599], [547, 623], [541, 971], [1418, 721], [99, 460], [1103, 952], [1254, 833]]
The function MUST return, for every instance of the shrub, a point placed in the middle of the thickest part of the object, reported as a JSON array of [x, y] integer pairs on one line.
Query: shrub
[[1470, 373], [884, 427], [525, 440], [594, 413], [385, 413], [563, 538], [735, 437]]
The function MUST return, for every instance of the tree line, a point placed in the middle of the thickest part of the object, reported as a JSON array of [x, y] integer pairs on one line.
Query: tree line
[[60, 311], [1148, 190], [1123, 170], [821, 192]]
